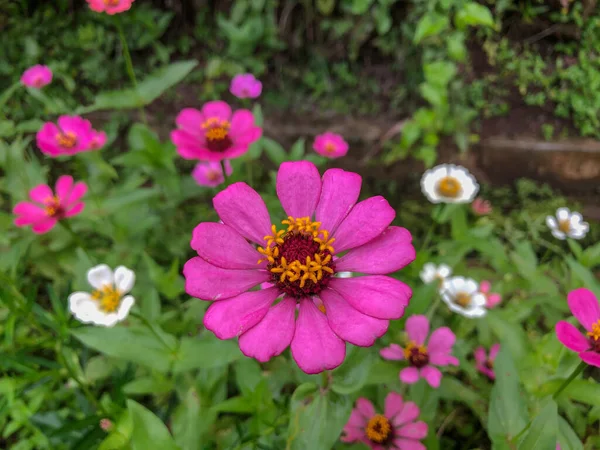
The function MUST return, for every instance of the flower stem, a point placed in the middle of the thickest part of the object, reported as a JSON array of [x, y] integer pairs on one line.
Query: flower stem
[[326, 378], [129, 64], [225, 177], [434, 306], [574, 375]]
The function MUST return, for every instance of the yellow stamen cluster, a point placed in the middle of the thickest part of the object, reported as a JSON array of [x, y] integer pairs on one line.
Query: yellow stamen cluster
[[312, 268], [449, 187], [330, 147], [378, 429], [66, 140], [408, 350], [52, 205], [111, 2], [595, 333], [108, 298], [564, 225], [463, 299], [216, 129]]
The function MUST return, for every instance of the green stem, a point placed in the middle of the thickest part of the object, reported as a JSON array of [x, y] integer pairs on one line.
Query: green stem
[[434, 306], [129, 63], [75, 237], [225, 177], [152, 330], [574, 375], [326, 378], [428, 235]]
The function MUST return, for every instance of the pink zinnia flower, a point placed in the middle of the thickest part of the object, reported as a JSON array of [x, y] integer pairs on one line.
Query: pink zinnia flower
[[37, 76], [49, 207], [330, 145], [214, 133], [395, 429], [484, 364], [72, 135], [481, 207], [98, 140], [584, 306], [323, 220], [245, 86], [422, 357], [110, 6], [491, 298], [210, 173]]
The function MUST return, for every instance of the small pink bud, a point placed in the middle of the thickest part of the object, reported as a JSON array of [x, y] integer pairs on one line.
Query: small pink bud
[[106, 425], [481, 207]]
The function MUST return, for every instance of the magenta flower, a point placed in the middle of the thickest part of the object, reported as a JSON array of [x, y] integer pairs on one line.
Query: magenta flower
[[323, 220], [491, 298], [72, 135], [330, 145], [49, 207], [214, 133], [110, 6], [421, 357], [481, 207], [37, 76], [584, 306], [211, 174], [484, 364], [98, 140], [245, 86], [395, 429]]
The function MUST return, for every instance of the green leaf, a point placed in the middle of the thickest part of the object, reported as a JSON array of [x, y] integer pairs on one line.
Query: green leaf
[[191, 420], [542, 432], [137, 345], [353, 374], [430, 25], [148, 386], [583, 391], [452, 389], [510, 333], [591, 256], [439, 73], [567, 437], [316, 418], [360, 6], [275, 152], [473, 14], [148, 430], [297, 151], [585, 275], [205, 353], [508, 411]]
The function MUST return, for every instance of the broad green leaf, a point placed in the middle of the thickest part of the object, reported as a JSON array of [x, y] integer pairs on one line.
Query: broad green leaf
[[473, 14], [316, 418], [155, 84], [360, 6], [297, 151], [583, 391], [148, 430], [508, 411], [541, 435], [585, 275], [383, 372], [137, 345], [567, 437], [510, 333], [353, 373], [205, 353], [431, 24], [148, 386], [191, 420], [439, 73], [274, 151]]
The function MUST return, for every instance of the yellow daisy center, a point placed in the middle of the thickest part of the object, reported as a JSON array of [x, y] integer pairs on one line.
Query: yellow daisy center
[[564, 225], [378, 429], [108, 298], [66, 140], [463, 299], [449, 187]]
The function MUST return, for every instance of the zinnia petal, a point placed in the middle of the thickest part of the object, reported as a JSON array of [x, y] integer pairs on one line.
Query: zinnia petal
[[298, 188], [584, 306], [417, 328], [571, 337], [339, 194]]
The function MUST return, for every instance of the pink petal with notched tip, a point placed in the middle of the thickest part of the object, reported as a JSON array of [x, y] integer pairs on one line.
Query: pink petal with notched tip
[[394, 352], [339, 193], [417, 328], [273, 334], [584, 306], [298, 188]]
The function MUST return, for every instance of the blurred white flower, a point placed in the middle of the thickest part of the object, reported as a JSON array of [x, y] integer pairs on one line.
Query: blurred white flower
[[107, 304], [431, 272], [462, 296], [448, 183], [344, 274], [567, 224]]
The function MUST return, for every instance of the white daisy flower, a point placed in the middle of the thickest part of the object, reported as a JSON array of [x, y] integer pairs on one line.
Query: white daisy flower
[[448, 183], [462, 296], [567, 224], [431, 272], [344, 274], [107, 304]]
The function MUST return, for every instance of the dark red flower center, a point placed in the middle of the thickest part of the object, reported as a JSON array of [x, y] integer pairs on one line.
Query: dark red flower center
[[416, 355], [300, 258], [216, 132], [489, 364], [53, 207]]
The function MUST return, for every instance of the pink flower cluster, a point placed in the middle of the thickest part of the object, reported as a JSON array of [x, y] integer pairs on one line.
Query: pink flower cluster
[[71, 135], [110, 7], [48, 207], [37, 76], [245, 86], [485, 363], [330, 145]]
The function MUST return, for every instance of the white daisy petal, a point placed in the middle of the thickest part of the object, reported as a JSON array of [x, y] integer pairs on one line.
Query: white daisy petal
[[575, 218], [124, 279], [82, 306], [471, 286], [563, 213], [444, 271], [100, 276], [456, 284], [106, 320], [476, 312], [478, 300], [124, 307], [551, 222], [559, 234]]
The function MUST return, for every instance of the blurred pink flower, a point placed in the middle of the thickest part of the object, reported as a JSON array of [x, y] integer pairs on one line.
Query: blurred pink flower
[[214, 133], [110, 6], [50, 207], [106, 424], [245, 86], [491, 298], [484, 364], [481, 207], [321, 213], [330, 145], [210, 173], [421, 357], [395, 429], [72, 135], [37, 76], [584, 306], [98, 140]]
